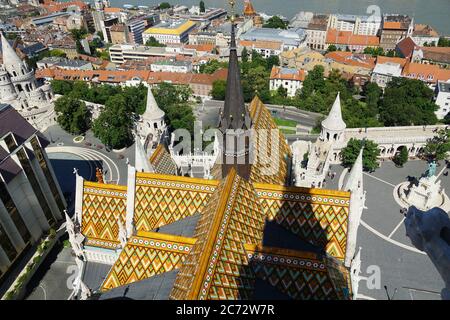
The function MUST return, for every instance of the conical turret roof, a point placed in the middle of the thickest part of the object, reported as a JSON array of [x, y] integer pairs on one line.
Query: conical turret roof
[[152, 111], [10, 56], [334, 120]]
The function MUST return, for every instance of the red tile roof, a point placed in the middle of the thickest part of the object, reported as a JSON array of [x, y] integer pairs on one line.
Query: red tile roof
[[352, 59], [277, 73], [348, 38], [426, 72]]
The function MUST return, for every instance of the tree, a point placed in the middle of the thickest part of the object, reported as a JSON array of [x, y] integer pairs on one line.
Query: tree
[[407, 102], [443, 42], [378, 51], [62, 87], [152, 42], [113, 126], [78, 34], [164, 6], [331, 48], [202, 7], [212, 66], [401, 157], [275, 23], [282, 92], [437, 147], [219, 90], [370, 153], [72, 115], [244, 55]]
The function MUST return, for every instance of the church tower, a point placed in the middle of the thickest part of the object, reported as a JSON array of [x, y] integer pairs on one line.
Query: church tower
[[235, 122]]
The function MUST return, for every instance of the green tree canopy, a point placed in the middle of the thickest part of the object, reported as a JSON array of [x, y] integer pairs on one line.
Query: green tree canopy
[[212, 66], [219, 90], [113, 126], [202, 6], [164, 6], [276, 22], [401, 157], [72, 115], [370, 154], [437, 147], [152, 42], [407, 102]]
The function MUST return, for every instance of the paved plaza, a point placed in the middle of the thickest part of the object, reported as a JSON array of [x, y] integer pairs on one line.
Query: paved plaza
[[53, 279], [382, 236]]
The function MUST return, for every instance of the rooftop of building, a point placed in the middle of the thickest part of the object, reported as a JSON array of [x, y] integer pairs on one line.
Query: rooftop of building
[[349, 38], [396, 22], [354, 59], [388, 68], [424, 30], [173, 27], [287, 74], [426, 72], [13, 123], [288, 37]]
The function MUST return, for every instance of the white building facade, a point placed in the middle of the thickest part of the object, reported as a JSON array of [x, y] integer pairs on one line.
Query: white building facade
[[442, 99]]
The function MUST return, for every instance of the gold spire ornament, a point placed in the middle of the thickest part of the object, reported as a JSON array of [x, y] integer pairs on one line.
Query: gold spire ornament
[[232, 4]]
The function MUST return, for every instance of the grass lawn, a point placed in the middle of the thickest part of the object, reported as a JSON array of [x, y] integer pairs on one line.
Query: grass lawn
[[285, 122], [287, 131]]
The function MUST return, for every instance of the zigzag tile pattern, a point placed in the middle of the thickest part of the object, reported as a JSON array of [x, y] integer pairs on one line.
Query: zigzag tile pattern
[[161, 200], [302, 276], [146, 255], [162, 162], [273, 153], [317, 216], [103, 206], [185, 284]]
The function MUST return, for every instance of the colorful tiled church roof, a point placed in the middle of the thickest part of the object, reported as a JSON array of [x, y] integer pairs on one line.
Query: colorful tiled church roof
[[217, 267], [162, 162], [317, 216], [145, 255], [164, 199], [103, 206], [272, 151]]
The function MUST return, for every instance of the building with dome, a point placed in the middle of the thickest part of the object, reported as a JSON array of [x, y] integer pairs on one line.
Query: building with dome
[[19, 88]]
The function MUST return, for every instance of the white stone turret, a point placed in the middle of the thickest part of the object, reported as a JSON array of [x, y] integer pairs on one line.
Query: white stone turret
[[152, 112], [354, 184], [333, 126], [7, 91], [21, 76]]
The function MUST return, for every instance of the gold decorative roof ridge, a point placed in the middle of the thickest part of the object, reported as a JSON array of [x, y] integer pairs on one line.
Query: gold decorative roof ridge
[[293, 189], [157, 176], [104, 186], [208, 247], [165, 236]]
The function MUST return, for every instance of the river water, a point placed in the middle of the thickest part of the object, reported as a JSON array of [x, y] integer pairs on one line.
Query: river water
[[433, 12]]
